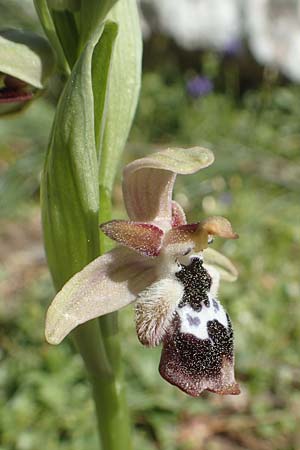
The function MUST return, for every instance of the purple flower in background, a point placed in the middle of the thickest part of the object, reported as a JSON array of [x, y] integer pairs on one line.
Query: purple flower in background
[[233, 48], [199, 86]]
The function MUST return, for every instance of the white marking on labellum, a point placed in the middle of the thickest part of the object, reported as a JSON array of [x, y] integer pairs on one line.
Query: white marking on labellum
[[196, 322]]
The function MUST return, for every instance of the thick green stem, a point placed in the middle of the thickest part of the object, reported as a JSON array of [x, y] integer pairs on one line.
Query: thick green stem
[[94, 341], [89, 342], [113, 421], [109, 392], [99, 345]]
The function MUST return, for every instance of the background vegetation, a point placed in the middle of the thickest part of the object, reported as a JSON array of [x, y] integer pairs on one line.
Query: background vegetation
[[254, 129]]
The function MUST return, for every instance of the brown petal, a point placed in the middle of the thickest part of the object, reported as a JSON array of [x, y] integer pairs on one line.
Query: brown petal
[[182, 239], [144, 238], [107, 284], [148, 182]]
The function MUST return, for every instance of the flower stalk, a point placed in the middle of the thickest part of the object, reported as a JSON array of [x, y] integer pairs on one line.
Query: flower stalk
[[103, 66]]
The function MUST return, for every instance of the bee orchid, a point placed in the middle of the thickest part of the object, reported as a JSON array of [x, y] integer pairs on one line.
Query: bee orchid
[[165, 265]]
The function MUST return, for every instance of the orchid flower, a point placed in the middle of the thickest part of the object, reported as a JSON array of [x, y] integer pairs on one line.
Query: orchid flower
[[165, 265]]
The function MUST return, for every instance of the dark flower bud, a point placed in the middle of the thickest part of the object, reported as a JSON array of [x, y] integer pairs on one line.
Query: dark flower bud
[[26, 61]]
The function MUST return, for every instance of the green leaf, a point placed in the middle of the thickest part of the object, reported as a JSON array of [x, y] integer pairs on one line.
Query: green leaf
[[61, 5], [92, 13], [67, 32], [70, 198], [46, 20], [101, 66], [25, 56], [124, 88]]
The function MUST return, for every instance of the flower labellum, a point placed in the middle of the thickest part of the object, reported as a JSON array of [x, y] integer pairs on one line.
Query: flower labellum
[[198, 345], [165, 265]]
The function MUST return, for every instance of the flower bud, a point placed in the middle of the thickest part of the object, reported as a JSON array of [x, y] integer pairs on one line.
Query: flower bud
[[26, 61]]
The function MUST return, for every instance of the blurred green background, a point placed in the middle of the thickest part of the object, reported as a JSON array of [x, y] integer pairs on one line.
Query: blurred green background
[[251, 119]]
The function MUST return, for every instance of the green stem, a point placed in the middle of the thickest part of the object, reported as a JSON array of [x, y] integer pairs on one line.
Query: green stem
[[113, 422], [99, 345], [89, 342], [94, 341], [109, 393]]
